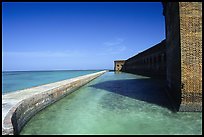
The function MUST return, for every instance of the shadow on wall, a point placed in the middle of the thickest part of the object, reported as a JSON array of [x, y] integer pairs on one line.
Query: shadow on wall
[[148, 90]]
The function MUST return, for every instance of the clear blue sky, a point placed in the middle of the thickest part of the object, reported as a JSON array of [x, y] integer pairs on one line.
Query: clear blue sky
[[67, 36]]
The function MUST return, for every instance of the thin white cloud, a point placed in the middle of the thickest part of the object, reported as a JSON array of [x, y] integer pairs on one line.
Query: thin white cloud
[[116, 50], [115, 46], [114, 42], [112, 50]]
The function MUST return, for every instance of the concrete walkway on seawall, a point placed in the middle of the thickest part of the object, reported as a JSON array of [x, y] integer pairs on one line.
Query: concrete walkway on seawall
[[18, 107]]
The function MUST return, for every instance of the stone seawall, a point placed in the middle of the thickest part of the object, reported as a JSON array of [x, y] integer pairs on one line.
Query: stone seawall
[[18, 107]]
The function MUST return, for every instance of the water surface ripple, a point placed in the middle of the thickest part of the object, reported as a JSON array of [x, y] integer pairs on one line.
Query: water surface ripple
[[115, 103]]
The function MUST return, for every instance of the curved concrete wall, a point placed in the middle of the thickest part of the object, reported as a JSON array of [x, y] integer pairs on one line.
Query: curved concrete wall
[[18, 107]]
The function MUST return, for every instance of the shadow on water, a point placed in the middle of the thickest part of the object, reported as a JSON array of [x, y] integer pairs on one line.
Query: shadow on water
[[148, 90]]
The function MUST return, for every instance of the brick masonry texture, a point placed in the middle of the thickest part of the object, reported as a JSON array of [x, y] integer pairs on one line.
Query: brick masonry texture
[[178, 58]]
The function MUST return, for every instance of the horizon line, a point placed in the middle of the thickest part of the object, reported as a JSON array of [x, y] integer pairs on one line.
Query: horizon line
[[55, 70]]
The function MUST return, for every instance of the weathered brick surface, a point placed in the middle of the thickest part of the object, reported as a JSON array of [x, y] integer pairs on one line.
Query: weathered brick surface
[[184, 53], [182, 66], [191, 53], [151, 62]]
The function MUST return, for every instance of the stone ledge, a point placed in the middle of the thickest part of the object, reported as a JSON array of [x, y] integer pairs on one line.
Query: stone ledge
[[18, 107]]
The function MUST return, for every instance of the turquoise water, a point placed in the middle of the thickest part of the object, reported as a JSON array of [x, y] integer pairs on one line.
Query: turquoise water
[[115, 103], [17, 80]]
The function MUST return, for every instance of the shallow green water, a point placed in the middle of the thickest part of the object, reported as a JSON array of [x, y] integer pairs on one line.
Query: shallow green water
[[115, 103]]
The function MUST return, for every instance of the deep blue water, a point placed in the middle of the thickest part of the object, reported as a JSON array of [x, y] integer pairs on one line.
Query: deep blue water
[[18, 80]]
